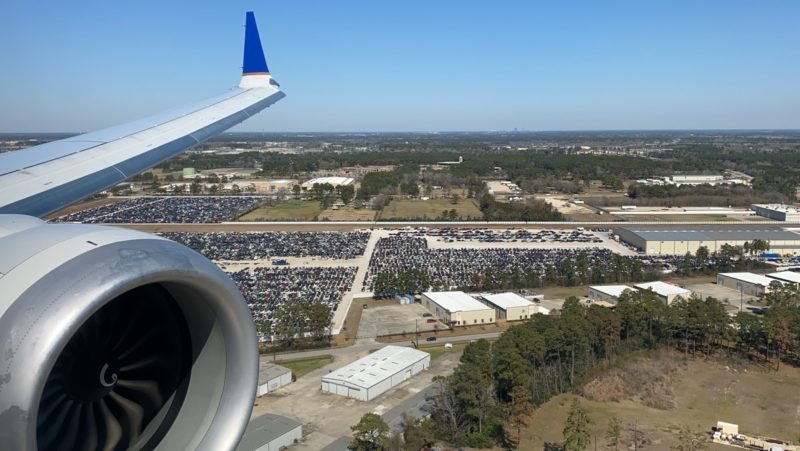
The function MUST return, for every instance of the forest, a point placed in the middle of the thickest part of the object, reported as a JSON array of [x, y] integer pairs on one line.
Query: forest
[[549, 355]]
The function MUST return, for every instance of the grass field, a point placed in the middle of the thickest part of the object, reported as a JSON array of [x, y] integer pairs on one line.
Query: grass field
[[429, 209], [440, 350], [293, 210], [761, 402], [348, 213], [301, 367]]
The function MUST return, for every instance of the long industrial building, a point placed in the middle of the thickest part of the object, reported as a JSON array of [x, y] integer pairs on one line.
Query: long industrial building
[[368, 377], [457, 308], [655, 240]]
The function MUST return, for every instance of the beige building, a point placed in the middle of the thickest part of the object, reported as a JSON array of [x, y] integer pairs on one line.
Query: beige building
[[746, 282], [607, 293], [666, 291], [655, 240], [510, 306], [457, 308], [273, 186]]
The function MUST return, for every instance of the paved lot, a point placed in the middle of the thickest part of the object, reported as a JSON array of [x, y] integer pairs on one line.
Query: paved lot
[[395, 319]]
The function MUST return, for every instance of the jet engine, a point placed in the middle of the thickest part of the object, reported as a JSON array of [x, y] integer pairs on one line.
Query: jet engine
[[113, 339]]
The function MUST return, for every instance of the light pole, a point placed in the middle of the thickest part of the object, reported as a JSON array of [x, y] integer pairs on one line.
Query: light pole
[[741, 299], [416, 327]]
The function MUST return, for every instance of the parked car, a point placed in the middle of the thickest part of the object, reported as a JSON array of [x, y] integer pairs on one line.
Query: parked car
[[432, 320], [426, 315], [430, 339]]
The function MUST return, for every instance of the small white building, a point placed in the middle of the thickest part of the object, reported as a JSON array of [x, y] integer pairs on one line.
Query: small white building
[[510, 306], [786, 277], [457, 308], [607, 293], [370, 376], [272, 377], [745, 282], [666, 291], [270, 432]]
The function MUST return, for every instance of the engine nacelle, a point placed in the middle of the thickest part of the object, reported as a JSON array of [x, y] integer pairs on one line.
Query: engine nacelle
[[115, 339]]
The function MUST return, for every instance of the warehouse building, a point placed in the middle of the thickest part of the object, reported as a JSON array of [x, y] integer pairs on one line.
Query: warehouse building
[[778, 212], [607, 293], [510, 306], [790, 277], [667, 292], [270, 432], [333, 181], [370, 376], [745, 282], [678, 241], [457, 308], [272, 377]]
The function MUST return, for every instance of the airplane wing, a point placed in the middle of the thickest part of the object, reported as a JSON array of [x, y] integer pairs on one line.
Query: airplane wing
[[43, 179], [112, 338]]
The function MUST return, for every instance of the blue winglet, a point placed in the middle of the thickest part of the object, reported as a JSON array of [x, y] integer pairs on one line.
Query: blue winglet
[[254, 61]]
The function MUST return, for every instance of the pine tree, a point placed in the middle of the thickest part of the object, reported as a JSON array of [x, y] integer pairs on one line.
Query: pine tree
[[576, 429]]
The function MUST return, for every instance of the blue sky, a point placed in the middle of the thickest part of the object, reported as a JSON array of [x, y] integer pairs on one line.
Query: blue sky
[[410, 65]]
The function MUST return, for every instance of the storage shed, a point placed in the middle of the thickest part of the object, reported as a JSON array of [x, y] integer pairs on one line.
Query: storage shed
[[270, 432], [272, 377], [370, 376]]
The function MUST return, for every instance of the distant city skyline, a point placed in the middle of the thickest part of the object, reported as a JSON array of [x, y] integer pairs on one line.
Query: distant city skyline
[[360, 66]]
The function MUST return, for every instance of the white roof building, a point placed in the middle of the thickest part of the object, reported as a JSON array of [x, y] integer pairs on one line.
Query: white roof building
[[510, 306], [457, 308], [786, 276], [335, 181], [746, 282], [748, 277], [666, 291], [455, 301], [611, 290], [507, 300], [370, 376]]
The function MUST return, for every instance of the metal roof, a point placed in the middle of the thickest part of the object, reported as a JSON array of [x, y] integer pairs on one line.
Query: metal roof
[[731, 233], [269, 371], [786, 276], [507, 300], [264, 429], [756, 279], [611, 290], [663, 288], [455, 301], [368, 371]]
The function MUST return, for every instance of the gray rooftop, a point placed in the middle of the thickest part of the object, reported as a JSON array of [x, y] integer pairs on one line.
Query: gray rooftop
[[716, 233], [269, 371], [264, 429]]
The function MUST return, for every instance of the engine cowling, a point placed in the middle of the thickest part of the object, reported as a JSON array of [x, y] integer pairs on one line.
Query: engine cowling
[[115, 339]]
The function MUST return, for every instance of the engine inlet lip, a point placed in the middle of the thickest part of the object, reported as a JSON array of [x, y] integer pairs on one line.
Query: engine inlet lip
[[42, 320]]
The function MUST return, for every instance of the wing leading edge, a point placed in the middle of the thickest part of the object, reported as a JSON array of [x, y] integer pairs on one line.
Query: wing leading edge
[[42, 179]]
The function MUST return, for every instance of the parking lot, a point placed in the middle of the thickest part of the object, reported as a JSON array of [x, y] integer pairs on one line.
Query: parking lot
[[396, 319]]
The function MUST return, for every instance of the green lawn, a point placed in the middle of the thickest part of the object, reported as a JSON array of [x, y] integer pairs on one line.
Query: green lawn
[[301, 367], [429, 209], [437, 351], [293, 210]]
